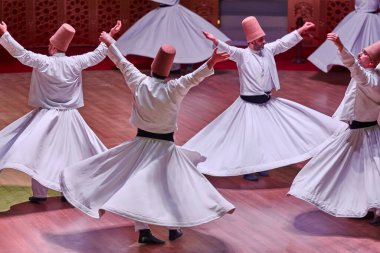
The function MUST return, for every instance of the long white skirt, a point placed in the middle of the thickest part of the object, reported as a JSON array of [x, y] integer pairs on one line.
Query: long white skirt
[[148, 180], [43, 142], [357, 30], [249, 138], [343, 179], [175, 25]]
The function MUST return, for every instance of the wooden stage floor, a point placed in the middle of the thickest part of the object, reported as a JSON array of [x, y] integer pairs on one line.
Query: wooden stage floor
[[265, 220]]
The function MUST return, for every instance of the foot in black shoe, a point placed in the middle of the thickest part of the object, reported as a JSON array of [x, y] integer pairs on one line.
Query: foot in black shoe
[[63, 199], [264, 173], [145, 236], [250, 177], [375, 221], [175, 234], [369, 216], [36, 200]]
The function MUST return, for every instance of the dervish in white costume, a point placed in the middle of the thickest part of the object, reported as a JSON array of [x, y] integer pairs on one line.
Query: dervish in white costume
[[54, 135], [149, 179], [343, 179], [259, 132], [357, 30], [172, 24]]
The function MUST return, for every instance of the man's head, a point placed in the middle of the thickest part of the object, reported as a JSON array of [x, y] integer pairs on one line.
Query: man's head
[[370, 56], [163, 62], [60, 41], [254, 33]]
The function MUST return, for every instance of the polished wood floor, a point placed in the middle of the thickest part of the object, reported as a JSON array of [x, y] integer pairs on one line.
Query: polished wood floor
[[266, 220]]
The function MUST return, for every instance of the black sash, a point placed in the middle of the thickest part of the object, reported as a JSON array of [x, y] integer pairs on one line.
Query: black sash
[[357, 124], [165, 137], [260, 99]]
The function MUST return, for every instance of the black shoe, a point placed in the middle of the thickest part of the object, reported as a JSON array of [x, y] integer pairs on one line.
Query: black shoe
[[145, 236], [175, 234], [63, 199], [375, 221], [36, 200], [264, 173], [368, 216], [250, 177]]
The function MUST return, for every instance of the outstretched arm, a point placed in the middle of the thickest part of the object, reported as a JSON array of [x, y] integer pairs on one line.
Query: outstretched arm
[[289, 40], [234, 53], [182, 85], [358, 73], [99, 54], [133, 77], [26, 57]]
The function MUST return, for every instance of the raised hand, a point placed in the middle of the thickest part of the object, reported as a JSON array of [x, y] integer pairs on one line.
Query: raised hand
[[211, 37], [3, 28], [115, 29], [106, 38], [308, 26], [335, 38], [217, 57]]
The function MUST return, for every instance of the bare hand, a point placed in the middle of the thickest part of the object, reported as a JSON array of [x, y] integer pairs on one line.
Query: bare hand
[[217, 57], [335, 38], [308, 26], [115, 29], [106, 38], [3, 28], [211, 37]]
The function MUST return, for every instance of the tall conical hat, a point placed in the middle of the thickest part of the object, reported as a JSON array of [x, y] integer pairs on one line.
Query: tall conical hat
[[62, 37], [164, 59]]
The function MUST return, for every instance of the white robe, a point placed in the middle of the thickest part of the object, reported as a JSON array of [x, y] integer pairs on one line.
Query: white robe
[[343, 179], [148, 180], [54, 135], [249, 137], [174, 25], [357, 30]]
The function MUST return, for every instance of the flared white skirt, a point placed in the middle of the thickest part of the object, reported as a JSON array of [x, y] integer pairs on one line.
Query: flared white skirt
[[357, 30], [148, 180], [343, 179], [249, 138], [43, 142], [174, 25]]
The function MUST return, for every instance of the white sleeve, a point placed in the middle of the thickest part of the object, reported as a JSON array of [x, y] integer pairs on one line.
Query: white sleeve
[[179, 87], [236, 54], [132, 76], [358, 73], [91, 58], [285, 43], [26, 57]]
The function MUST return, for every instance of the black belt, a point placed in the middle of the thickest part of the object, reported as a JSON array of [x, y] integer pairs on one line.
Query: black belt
[[357, 124], [260, 99], [165, 5], [165, 137]]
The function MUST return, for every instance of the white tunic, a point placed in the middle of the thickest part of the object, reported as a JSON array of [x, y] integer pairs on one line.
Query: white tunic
[[250, 137], [343, 179], [258, 74], [357, 30], [148, 180], [362, 99], [54, 135], [174, 25]]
